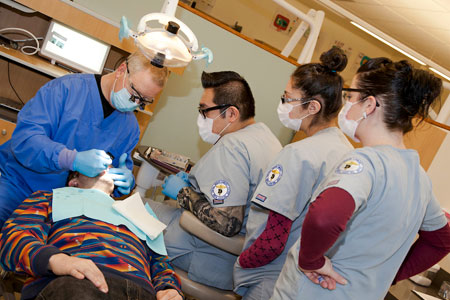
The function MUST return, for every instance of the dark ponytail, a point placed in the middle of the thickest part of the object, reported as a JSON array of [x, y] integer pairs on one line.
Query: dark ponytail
[[322, 82], [403, 91]]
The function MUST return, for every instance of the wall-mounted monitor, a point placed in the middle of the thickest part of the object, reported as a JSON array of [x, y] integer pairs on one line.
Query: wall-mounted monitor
[[74, 49]]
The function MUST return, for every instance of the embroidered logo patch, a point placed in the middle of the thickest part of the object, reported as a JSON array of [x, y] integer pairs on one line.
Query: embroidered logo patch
[[274, 175], [350, 166], [219, 191], [260, 197]]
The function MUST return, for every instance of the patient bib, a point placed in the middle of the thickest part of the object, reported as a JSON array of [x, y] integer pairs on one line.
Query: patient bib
[[70, 202]]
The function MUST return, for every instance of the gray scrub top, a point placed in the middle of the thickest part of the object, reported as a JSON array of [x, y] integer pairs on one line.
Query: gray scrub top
[[230, 171], [394, 200], [286, 189]]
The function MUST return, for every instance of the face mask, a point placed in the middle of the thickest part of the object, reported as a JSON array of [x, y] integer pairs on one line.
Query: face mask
[[283, 111], [205, 129], [121, 99], [349, 126]]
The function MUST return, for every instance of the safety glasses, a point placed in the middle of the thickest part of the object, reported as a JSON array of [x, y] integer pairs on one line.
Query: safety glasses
[[367, 93], [285, 99], [204, 111]]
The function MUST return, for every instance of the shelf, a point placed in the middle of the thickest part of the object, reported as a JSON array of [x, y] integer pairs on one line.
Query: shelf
[[34, 62]]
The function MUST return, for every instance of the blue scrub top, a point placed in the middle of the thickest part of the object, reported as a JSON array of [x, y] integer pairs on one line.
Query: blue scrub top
[[65, 113]]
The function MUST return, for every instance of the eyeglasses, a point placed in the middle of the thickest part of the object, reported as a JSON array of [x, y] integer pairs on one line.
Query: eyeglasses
[[203, 111], [368, 93], [285, 99], [136, 97]]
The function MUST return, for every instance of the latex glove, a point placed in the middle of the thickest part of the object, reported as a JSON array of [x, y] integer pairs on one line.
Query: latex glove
[[91, 162], [184, 176], [172, 185], [122, 176]]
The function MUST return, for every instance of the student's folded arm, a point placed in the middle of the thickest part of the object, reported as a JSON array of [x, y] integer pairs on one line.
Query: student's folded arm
[[224, 220], [24, 236]]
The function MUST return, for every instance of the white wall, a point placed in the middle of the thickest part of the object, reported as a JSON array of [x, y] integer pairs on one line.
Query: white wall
[[439, 174], [256, 17]]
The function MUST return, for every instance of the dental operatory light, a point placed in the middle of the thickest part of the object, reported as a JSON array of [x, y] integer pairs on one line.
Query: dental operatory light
[[165, 40]]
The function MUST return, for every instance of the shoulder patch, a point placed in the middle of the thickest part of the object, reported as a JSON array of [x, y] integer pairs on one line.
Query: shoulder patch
[[350, 166], [220, 190], [261, 197], [274, 175]]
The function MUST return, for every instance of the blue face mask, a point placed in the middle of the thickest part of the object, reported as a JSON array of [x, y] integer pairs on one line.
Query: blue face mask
[[121, 99]]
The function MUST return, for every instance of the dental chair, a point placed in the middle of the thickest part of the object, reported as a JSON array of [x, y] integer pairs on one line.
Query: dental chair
[[233, 245], [151, 174], [10, 283]]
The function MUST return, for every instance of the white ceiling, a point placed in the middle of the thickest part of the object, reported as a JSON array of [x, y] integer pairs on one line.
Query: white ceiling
[[422, 25]]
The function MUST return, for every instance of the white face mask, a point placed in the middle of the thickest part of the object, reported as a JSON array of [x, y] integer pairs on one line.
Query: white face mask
[[349, 126], [283, 111], [205, 129]]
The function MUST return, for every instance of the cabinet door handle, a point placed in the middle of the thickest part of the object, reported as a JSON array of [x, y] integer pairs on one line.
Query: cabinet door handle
[[4, 132]]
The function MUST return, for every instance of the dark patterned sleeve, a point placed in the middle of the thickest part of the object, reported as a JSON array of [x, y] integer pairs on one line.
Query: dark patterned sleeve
[[224, 220]]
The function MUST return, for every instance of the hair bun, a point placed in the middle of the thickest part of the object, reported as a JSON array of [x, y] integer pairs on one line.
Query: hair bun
[[421, 88], [334, 59]]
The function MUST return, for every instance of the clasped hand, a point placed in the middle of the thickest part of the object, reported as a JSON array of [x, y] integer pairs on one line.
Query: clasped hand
[[326, 276]]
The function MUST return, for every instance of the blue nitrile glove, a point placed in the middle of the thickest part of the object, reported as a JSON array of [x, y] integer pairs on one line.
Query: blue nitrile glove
[[91, 162], [184, 176], [122, 176], [172, 185]]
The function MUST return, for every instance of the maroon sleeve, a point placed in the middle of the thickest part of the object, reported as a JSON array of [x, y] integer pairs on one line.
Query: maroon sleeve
[[429, 248], [269, 244], [327, 217]]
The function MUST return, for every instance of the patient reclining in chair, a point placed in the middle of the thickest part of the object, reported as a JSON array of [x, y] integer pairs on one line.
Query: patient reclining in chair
[[70, 256]]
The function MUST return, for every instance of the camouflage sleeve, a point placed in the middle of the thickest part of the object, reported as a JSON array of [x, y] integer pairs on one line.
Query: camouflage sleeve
[[225, 220]]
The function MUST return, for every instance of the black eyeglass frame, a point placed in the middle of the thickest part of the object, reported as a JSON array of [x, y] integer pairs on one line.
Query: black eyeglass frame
[[366, 92], [203, 111], [142, 100], [285, 99]]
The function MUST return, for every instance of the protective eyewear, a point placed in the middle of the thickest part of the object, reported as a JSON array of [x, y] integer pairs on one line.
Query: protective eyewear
[[136, 97], [285, 99], [368, 93], [203, 111]]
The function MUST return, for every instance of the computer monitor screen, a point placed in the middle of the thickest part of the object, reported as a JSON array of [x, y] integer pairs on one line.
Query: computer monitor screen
[[74, 49]]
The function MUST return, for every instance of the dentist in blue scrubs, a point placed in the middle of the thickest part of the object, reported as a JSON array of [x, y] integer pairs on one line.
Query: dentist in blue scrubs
[[79, 122]]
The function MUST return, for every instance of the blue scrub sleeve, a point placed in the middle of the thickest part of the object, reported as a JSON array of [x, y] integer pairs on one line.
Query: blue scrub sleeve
[[66, 158], [31, 141]]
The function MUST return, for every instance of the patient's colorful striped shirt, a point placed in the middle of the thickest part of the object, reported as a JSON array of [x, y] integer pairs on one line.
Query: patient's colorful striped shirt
[[29, 238]]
